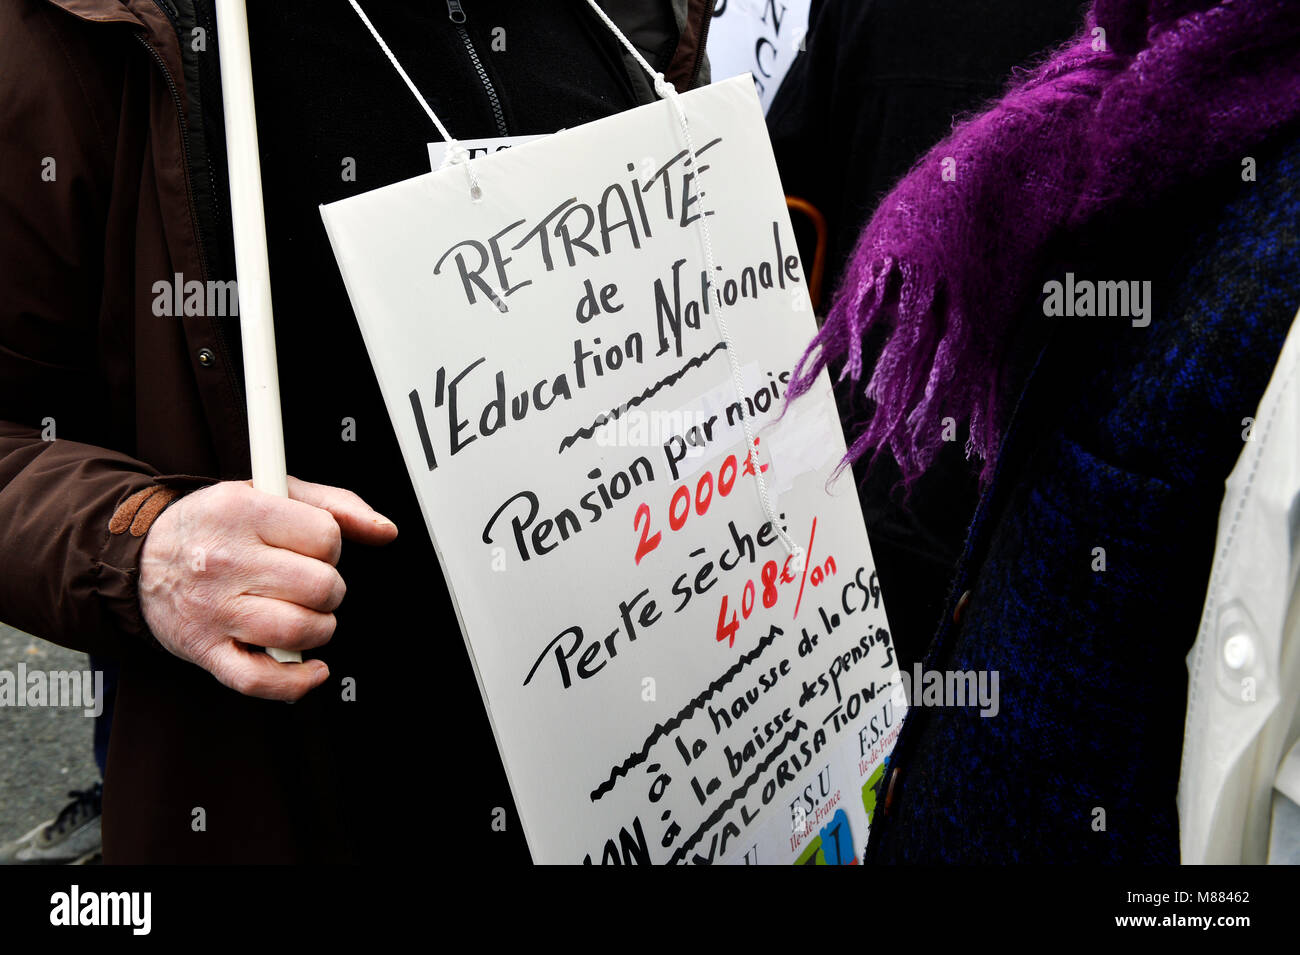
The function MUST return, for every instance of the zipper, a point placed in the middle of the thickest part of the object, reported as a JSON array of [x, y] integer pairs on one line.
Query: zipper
[[185, 141], [222, 345], [701, 51], [456, 14], [211, 28]]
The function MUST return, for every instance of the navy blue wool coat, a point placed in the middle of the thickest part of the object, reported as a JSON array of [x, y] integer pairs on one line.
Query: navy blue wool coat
[[1121, 441]]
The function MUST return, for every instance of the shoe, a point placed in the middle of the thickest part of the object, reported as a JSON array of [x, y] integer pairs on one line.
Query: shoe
[[72, 838]]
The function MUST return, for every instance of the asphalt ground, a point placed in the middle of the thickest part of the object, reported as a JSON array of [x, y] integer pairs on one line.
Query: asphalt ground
[[44, 750]]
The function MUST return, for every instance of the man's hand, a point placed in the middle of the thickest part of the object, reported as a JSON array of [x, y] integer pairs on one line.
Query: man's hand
[[228, 569]]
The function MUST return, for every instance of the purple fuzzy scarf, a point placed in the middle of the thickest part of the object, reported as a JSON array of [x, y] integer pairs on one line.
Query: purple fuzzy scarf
[[947, 263]]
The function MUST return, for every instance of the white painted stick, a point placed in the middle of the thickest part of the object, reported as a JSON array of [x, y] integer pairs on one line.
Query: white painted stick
[[253, 273]]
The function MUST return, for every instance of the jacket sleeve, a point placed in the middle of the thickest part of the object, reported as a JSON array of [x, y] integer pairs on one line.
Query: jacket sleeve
[[72, 514], [74, 518]]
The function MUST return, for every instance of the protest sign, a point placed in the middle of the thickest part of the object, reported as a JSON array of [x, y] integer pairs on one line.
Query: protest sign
[[759, 37], [665, 682]]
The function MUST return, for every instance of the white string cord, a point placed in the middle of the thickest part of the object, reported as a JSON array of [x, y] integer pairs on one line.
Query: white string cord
[[667, 91], [456, 153]]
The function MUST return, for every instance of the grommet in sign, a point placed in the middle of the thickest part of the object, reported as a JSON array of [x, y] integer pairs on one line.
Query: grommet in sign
[[207, 357]]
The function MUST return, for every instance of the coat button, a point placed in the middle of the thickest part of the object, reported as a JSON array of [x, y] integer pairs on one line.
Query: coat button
[[960, 610], [207, 358], [890, 790]]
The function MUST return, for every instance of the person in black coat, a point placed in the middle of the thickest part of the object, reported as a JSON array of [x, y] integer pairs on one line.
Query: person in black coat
[[881, 81]]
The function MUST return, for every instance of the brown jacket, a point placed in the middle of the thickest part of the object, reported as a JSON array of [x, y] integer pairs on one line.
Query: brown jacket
[[106, 189]]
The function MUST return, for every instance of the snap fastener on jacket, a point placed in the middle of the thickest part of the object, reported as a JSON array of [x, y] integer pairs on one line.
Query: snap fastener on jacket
[[1239, 652], [207, 358], [960, 610], [1240, 658]]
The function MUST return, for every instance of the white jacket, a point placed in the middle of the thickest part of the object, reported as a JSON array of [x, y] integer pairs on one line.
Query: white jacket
[[1239, 792]]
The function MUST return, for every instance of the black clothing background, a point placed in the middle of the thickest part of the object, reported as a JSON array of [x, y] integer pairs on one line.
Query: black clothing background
[[412, 760], [880, 83]]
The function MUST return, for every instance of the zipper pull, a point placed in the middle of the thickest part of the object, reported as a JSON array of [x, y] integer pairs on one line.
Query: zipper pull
[[455, 12]]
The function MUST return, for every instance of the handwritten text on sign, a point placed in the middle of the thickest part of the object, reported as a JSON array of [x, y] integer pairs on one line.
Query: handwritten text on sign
[[665, 683], [758, 37]]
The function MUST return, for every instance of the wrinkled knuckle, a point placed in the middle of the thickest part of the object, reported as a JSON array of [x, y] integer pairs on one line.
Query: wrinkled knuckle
[[226, 495], [214, 495], [332, 591], [225, 670], [263, 627], [315, 590], [307, 631], [294, 632], [263, 508], [324, 590], [330, 538], [238, 681], [251, 684], [318, 632]]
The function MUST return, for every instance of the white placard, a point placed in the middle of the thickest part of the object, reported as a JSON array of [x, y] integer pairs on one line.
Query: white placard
[[568, 418], [759, 37]]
